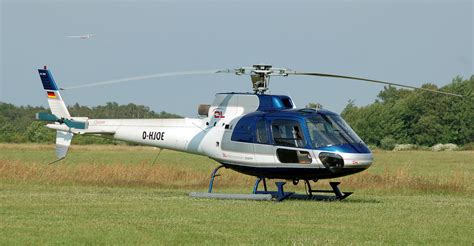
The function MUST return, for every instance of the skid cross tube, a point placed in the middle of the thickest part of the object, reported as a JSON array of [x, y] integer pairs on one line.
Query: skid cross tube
[[279, 195], [257, 182], [213, 175]]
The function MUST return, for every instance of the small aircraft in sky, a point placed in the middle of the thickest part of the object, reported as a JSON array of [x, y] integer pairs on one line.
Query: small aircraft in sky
[[84, 36], [253, 133]]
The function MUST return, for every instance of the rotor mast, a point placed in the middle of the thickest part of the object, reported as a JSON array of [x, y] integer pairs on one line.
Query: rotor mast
[[260, 76]]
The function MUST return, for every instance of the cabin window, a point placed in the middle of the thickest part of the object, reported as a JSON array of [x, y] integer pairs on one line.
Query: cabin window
[[262, 135], [287, 133], [293, 156]]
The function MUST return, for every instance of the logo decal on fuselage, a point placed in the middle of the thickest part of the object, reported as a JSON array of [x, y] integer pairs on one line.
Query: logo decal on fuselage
[[219, 114]]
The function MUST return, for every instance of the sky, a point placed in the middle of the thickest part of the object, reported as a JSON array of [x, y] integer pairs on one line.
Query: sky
[[407, 42]]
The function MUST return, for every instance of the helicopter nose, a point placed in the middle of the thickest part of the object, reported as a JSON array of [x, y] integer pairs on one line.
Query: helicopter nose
[[358, 160], [337, 161]]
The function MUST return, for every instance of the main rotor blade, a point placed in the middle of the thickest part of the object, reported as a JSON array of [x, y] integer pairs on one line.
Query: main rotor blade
[[152, 76], [373, 81]]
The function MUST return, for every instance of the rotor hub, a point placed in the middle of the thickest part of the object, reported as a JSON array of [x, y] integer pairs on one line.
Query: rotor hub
[[260, 75]]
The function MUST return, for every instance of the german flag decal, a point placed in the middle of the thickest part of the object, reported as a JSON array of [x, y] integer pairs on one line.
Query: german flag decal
[[51, 94]]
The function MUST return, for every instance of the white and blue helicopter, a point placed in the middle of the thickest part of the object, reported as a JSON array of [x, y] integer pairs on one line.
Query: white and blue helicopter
[[256, 134]]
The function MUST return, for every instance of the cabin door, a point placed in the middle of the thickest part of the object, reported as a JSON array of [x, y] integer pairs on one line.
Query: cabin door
[[289, 142], [264, 151]]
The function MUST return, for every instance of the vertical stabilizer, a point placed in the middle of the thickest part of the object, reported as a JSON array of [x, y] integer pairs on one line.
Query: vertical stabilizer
[[55, 101]]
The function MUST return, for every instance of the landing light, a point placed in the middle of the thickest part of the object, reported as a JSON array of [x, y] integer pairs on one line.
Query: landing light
[[332, 161]]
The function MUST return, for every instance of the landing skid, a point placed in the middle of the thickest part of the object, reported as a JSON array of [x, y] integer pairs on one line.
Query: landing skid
[[278, 195], [281, 195]]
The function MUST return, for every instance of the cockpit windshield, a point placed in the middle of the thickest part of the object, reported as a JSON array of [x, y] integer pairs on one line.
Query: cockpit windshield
[[326, 130]]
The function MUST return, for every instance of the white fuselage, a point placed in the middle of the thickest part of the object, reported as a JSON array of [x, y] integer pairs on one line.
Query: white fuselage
[[175, 134], [201, 136]]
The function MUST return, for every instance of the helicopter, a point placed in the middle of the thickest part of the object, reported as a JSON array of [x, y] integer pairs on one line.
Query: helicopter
[[253, 133], [82, 36]]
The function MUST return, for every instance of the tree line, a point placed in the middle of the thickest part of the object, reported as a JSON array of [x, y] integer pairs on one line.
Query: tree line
[[18, 124], [401, 116], [398, 116]]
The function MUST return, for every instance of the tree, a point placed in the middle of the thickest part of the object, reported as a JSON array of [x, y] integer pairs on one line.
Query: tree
[[416, 117], [314, 105], [38, 133]]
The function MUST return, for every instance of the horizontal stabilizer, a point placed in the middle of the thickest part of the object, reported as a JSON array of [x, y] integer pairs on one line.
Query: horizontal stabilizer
[[43, 116], [76, 124], [68, 122]]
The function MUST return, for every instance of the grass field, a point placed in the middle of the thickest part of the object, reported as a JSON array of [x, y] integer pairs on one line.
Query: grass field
[[116, 195]]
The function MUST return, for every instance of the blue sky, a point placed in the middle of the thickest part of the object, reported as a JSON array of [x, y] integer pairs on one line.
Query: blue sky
[[408, 42]]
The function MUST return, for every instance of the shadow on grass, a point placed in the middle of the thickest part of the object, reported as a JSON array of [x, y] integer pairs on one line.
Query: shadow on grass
[[323, 198], [359, 200]]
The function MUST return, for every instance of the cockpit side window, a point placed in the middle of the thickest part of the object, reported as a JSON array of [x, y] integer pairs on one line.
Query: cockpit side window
[[244, 130], [288, 133], [262, 135], [287, 102]]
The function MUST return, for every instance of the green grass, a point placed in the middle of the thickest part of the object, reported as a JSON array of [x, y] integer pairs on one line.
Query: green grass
[[63, 209], [424, 162]]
